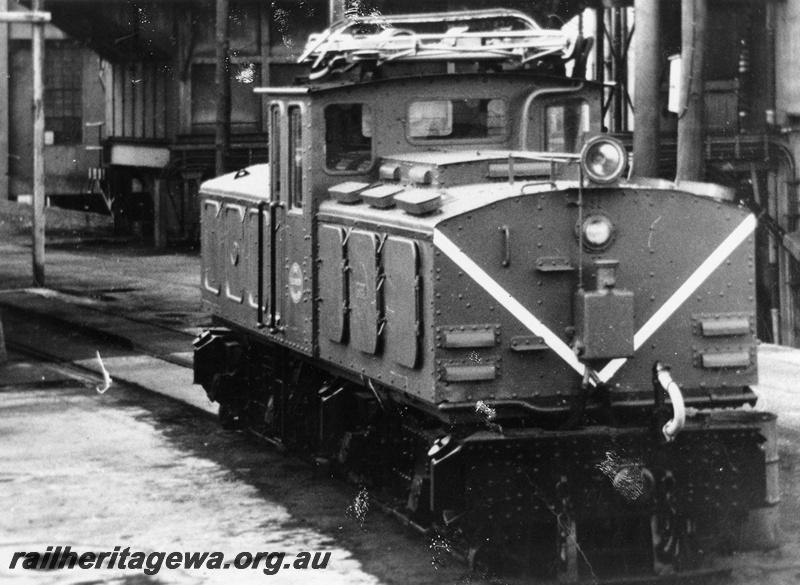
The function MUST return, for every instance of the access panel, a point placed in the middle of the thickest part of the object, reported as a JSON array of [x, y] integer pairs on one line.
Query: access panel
[[233, 256], [257, 262], [365, 302], [212, 269], [402, 306], [332, 283]]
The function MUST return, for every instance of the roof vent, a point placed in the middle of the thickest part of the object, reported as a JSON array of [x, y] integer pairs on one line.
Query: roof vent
[[389, 171], [419, 201], [348, 192], [381, 196], [420, 175]]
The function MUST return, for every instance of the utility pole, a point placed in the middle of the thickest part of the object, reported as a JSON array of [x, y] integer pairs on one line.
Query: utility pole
[[38, 148], [38, 19], [647, 90], [694, 15], [4, 109], [223, 78]]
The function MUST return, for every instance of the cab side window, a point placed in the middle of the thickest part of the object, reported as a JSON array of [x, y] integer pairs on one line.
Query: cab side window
[[348, 138], [296, 157], [460, 119], [275, 150]]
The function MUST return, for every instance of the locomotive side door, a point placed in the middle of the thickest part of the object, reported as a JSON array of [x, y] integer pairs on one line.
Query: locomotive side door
[[272, 276], [291, 245]]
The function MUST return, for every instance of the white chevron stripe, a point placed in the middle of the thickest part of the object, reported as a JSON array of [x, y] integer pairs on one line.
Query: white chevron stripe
[[687, 289], [717, 257], [504, 298]]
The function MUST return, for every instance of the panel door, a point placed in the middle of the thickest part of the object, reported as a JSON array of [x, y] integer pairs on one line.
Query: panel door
[[291, 311]]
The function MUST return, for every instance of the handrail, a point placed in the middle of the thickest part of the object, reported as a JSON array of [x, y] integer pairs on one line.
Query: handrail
[[676, 423]]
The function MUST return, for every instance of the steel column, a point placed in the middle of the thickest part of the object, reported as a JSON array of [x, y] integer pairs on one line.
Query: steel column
[[694, 14], [647, 46]]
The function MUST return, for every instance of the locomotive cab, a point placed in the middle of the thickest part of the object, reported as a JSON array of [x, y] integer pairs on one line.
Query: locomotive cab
[[350, 130], [326, 138]]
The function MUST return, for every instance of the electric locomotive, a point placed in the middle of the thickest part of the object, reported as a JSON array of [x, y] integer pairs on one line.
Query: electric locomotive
[[444, 286]]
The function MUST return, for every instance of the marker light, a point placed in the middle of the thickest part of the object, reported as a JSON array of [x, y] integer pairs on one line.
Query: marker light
[[603, 159], [598, 232]]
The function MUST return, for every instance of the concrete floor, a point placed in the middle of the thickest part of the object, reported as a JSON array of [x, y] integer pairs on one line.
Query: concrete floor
[[129, 468]]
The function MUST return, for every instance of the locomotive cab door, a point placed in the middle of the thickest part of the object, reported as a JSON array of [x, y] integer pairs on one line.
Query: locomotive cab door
[[290, 244], [273, 274]]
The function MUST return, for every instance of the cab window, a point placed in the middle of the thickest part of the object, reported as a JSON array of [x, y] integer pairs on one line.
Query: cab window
[[297, 155], [275, 149], [567, 126], [348, 138], [461, 119]]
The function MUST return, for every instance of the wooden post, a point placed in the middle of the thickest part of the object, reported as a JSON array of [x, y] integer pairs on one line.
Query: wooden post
[[647, 81], [223, 79], [694, 14], [4, 120], [38, 19], [38, 148]]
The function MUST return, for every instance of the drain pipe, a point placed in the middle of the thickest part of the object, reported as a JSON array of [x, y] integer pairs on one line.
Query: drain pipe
[[678, 420]]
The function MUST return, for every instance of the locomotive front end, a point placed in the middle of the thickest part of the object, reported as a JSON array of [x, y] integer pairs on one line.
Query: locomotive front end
[[595, 330], [602, 281]]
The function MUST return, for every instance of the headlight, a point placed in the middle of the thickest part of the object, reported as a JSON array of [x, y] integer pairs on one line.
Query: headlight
[[598, 232], [603, 159]]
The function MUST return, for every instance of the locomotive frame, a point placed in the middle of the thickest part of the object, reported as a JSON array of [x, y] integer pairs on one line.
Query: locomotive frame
[[405, 293]]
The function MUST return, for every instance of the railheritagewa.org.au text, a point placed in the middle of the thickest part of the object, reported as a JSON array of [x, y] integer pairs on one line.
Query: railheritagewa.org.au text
[[63, 557]]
